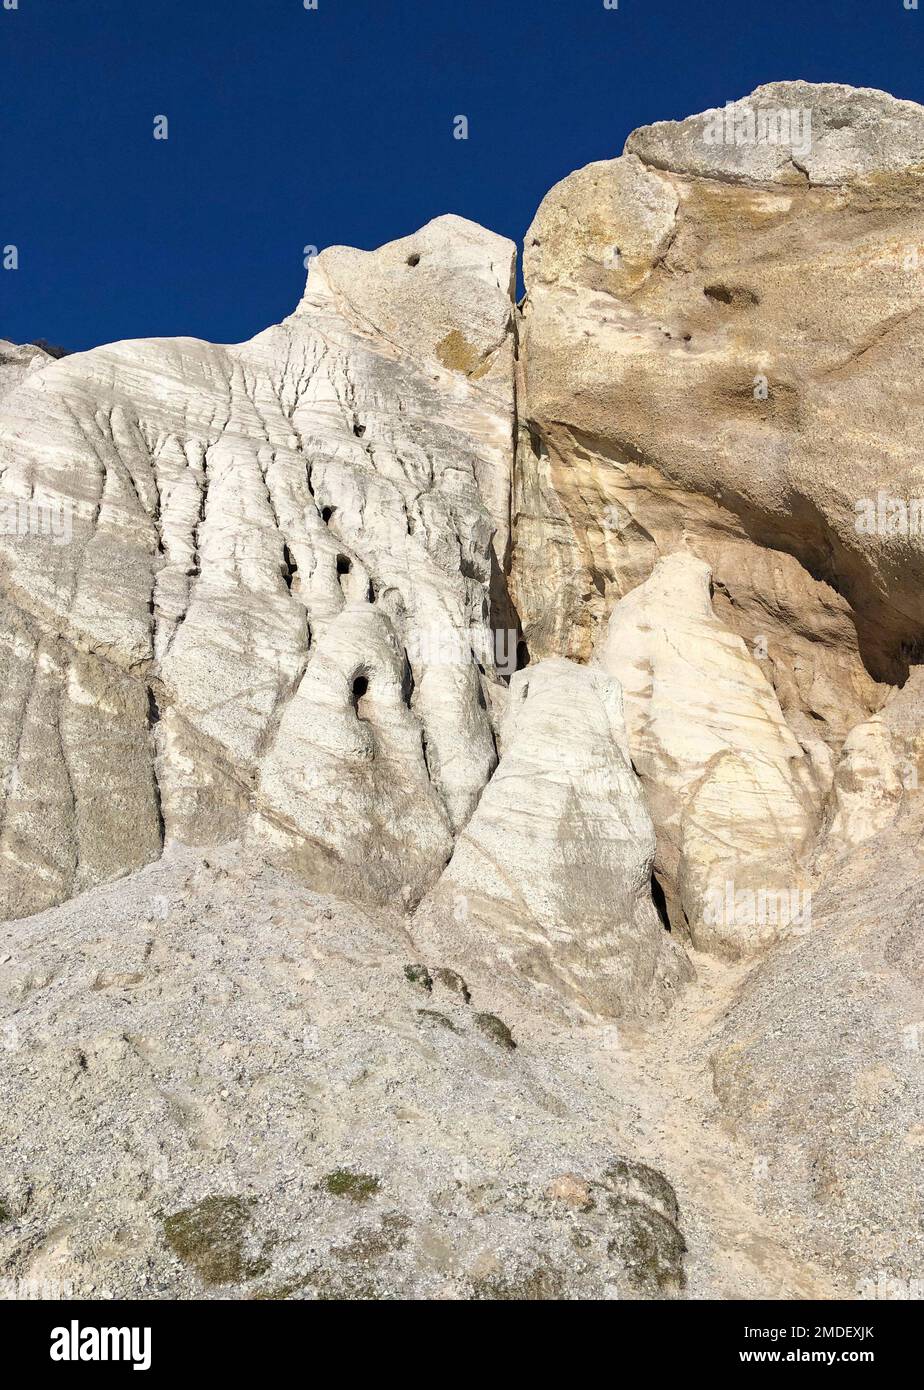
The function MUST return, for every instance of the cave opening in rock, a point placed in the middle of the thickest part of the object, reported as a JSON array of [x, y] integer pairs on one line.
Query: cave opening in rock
[[358, 693], [660, 902]]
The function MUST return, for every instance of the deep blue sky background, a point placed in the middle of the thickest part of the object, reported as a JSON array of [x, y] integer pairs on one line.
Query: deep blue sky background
[[291, 127]]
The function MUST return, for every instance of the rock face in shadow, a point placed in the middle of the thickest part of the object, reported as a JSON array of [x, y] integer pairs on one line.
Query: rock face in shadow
[[550, 881]]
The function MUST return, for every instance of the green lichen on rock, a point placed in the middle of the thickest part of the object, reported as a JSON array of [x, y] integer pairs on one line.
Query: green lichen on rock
[[356, 1187], [638, 1180], [454, 981], [649, 1247], [495, 1029], [540, 1284], [210, 1237], [434, 1016], [418, 975], [278, 1293], [342, 1286]]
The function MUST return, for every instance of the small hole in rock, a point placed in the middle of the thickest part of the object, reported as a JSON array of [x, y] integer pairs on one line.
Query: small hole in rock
[[344, 564], [413, 259], [359, 691], [738, 296], [359, 431], [660, 902], [289, 567]]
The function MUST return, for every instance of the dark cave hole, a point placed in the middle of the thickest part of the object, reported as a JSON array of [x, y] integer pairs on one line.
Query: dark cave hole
[[359, 690], [408, 683], [289, 567], [660, 902]]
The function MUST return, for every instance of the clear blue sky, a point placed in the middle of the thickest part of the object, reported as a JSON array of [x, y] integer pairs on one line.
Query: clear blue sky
[[291, 127]]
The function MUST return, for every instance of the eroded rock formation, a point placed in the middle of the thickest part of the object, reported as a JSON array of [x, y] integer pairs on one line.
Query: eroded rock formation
[[255, 535], [550, 881], [524, 713]]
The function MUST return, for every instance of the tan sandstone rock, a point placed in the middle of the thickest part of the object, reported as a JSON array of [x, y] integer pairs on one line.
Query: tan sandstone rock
[[720, 348]]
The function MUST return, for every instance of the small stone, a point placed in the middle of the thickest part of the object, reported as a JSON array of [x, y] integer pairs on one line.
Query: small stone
[[571, 1190]]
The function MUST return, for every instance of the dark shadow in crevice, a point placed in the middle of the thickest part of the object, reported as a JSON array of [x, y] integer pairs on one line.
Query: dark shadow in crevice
[[660, 902]]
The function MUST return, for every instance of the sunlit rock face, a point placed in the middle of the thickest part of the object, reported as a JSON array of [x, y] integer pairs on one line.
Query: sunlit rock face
[[550, 882], [482, 751], [255, 588], [721, 348], [731, 791]]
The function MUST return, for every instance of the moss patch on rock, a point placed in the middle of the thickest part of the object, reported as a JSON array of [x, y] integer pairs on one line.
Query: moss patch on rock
[[495, 1029], [454, 981], [457, 353], [648, 1246], [418, 975], [210, 1237], [356, 1187], [540, 1284], [434, 1016]]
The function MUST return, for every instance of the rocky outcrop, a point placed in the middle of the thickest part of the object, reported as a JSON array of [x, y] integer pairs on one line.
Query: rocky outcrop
[[818, 1068], [255, 587], [550, 882], [468, 673], [731, 792], [294, 1111], [18, 361], [878, 777], [720, 350]]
